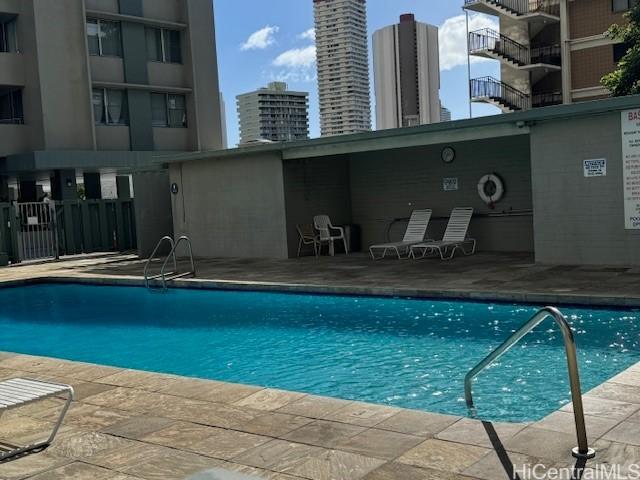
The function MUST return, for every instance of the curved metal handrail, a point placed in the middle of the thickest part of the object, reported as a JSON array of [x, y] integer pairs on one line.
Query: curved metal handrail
[[153, 254], [582, 450], [186, 239]]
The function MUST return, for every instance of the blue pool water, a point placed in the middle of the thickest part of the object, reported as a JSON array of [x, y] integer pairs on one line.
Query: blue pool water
[[401, 352]]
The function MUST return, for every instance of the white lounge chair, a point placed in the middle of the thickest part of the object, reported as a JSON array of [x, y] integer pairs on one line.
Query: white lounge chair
[[415, 233], [455, 237], [328, 233], [18, 392]]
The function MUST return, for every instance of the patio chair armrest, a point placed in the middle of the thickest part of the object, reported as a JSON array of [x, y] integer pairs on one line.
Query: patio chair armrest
[[339, 229]]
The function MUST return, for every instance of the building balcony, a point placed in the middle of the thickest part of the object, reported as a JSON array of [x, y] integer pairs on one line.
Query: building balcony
[[539, 60], [528, 10], [499, 94]]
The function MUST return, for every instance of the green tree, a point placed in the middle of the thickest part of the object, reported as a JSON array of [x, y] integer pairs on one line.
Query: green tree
[[625, 80]]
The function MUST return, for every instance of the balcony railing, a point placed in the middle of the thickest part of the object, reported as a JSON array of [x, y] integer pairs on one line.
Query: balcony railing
[[499, 92], [546, 99], [548, 54], [523, 7]]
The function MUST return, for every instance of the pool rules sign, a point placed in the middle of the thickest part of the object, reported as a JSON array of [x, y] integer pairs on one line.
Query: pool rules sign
[[631, 168]]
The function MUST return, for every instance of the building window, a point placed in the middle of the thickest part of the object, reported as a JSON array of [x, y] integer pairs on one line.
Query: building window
[[623, 5], [110, 106], [619, 51], [104, 37], [163, 45], [8, 36], [11, 105], [168, 110]]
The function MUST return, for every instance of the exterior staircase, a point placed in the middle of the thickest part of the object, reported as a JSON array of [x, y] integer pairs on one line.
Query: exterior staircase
[[497, 93], [515, 8]]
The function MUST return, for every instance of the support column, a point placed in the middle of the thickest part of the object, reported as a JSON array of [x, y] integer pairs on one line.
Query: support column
[[4, 189], [92, 188], [565, 45], [28, 191], [123, 187], [63, 185]]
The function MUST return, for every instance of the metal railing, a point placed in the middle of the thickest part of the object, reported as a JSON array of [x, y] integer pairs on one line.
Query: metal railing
[[488, 39], [490, 88], [164, 275], [547, 54], [582, 450], [152, 256], [523, 7], [546, 99]]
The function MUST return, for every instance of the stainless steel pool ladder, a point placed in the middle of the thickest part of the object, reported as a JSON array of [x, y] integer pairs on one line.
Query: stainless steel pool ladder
[[582, 450], [164, 275]]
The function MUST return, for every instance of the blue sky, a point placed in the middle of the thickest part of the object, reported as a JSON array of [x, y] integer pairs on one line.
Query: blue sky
[[261, 41]]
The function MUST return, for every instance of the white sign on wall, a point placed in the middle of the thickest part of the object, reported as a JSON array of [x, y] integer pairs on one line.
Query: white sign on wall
[[595, 167], [631, 168], [450, 184]]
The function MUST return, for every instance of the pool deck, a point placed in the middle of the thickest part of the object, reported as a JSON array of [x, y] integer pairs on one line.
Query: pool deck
[[128, 425]]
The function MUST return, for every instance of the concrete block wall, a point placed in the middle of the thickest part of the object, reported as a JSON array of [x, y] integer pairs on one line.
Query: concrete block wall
[[316, 186], [389, 184], [231, 206], [578, 220]]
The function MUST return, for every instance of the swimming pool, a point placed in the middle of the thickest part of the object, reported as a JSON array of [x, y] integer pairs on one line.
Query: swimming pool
[[402, 352]]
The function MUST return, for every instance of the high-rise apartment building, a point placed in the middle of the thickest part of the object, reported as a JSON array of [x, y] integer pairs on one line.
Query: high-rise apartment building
[[273, 113], [91, 85], [406, 65], [343, 66], [445, 114], [551, 51]]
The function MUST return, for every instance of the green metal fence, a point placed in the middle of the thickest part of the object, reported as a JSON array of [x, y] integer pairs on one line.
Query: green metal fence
[[83, 226], [86, 226]]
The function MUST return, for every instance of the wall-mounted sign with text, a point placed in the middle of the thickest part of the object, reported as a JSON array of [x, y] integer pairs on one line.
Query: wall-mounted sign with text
[[631, 168], [450, 184], [595, 167]]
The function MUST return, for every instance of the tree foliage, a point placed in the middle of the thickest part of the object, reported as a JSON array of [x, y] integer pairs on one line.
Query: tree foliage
[[625, 80]]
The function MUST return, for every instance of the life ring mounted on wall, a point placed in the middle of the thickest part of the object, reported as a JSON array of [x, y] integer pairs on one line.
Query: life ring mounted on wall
[[491, 189]]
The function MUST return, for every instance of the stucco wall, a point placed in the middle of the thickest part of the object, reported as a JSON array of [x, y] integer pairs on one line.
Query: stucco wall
[[152, 209], [580, 220], [386, 185], [316, 186], [231, 207]]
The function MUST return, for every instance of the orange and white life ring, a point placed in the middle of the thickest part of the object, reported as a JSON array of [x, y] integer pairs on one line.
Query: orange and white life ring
[[491, 189]]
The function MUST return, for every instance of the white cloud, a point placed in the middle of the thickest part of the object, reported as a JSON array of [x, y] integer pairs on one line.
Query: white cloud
[[453, 42], [261, 39], [296, 65], [308, 35], [297, 57]]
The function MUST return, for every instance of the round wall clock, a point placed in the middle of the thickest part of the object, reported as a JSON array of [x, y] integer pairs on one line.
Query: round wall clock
[[448, 154]]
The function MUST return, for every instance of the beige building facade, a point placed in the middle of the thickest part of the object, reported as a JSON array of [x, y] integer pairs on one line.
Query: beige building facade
[[343, 66], [88, 86]]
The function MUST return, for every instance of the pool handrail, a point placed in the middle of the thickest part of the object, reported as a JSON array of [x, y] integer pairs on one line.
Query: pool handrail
[[166, 238], [582, 450], [175, 273]]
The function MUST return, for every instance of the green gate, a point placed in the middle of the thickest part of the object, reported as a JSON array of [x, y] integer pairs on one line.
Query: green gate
[[82, 226], [86, 226]]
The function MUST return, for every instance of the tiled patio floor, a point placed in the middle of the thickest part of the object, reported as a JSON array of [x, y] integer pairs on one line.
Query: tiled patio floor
[[510, 276], [129, 425]]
